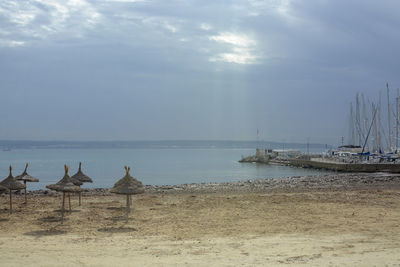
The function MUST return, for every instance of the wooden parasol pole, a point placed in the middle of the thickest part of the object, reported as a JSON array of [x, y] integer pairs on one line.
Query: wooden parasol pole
[[10, 201], [62, 209], [127, 207], [26, 201], [69, 202]]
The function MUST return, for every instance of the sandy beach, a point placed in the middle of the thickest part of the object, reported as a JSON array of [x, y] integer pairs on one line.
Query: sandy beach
[[332, 220]]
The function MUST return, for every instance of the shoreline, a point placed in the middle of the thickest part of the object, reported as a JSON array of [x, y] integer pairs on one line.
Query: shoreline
[[326, 182]]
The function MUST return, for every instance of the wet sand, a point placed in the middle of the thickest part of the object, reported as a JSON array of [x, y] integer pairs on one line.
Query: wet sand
[[336, 220]]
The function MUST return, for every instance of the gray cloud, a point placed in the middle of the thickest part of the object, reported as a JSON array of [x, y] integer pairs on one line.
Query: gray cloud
[[106, 69]]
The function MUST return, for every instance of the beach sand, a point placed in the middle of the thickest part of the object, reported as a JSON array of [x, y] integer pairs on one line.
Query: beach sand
[[345, 226]]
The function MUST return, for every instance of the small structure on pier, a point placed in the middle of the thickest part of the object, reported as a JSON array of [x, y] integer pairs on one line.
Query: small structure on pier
[[286, 153]]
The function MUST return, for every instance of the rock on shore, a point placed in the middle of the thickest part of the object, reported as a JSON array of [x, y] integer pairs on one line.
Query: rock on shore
[[330, 182]]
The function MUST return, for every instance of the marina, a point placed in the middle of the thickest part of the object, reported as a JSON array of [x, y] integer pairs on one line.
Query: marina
[[370, 148]]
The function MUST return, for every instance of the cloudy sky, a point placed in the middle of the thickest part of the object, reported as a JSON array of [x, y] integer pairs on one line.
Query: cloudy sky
[[191, 69]]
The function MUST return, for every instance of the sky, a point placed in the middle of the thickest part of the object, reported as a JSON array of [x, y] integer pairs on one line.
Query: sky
[[192, 69]]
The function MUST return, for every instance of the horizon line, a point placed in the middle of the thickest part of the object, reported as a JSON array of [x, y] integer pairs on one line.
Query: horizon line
[[155, 140]]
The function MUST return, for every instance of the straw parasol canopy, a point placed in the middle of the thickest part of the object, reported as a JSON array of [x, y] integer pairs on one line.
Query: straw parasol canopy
[[82, 178], [128, 186], [11, 184], [65, 185], [76, 181], [26, 178]]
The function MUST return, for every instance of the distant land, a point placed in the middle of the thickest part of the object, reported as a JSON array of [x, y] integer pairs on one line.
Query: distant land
[[167, 144]]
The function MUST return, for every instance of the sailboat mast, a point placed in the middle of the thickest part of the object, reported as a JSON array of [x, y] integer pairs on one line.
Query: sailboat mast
[[365, 117], [352, 133], [397, 119], [375, 145], [379, 121], [358, 119], [369, 131], [389, 123]]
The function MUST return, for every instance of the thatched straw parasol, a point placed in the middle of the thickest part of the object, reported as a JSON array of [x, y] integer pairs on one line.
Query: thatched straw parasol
[[26, 178], [128, 186], [83, 178], [62, 181], [2, 189], [78, 184], [65, 185], [11, 184]]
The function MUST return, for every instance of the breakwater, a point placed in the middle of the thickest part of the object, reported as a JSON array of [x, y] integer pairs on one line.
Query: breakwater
[[345, 167]]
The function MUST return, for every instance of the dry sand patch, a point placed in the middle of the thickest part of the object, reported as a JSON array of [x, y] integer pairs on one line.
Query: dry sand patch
[[307, 228]]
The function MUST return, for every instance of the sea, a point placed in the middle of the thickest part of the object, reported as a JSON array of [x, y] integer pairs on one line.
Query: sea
[[152, 162]]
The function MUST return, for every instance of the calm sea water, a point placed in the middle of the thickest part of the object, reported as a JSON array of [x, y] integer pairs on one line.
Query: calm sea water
[[166, 165]]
